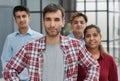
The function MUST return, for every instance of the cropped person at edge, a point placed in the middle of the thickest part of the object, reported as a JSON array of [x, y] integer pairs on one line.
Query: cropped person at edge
[[16, 40], [108, 67]]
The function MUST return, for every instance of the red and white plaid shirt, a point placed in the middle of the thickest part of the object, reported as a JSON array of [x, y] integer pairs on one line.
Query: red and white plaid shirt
[[31, 57]]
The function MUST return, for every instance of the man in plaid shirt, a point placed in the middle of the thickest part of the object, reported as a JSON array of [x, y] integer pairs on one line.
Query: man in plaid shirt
[[53, 57]]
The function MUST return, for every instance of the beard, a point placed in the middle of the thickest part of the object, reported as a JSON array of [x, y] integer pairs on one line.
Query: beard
[[53, 34]]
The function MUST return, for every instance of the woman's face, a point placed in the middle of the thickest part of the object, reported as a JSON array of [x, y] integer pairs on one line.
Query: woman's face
[[92, 38]]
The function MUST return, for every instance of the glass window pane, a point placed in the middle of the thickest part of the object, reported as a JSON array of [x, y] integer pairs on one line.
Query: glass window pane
[[90, 0], [80, 6], [116, 0], [110, 0], [117, 49], [91, 17], [111, 6], [80, 0], [111, 35], [116, 6], [33, 5], [46, 2], [119, 26], [102, 23], [102, 5], [117, 52], [90, 5], [35, 21], [116, 26], [111, 48]]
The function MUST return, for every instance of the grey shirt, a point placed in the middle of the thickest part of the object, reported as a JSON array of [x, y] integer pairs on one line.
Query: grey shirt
[[53, 69]]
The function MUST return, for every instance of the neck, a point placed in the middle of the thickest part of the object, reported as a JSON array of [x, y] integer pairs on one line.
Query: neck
[[94, 52], [78, 35], [53, 40], [23, 30]]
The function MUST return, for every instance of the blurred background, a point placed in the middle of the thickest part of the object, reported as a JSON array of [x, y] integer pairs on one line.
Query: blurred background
[[104, 13]]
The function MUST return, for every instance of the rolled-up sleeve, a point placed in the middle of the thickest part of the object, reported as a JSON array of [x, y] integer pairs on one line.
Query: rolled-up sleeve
[[87, 61]]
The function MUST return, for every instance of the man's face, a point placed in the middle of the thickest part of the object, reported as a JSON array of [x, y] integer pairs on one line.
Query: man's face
[[22, 19], [53, 22], [78, 24]]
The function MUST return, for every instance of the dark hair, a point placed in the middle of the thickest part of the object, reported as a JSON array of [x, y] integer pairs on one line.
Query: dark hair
[[99, 31], [53, 8], [92, 26], [21, 8], [78, 14]]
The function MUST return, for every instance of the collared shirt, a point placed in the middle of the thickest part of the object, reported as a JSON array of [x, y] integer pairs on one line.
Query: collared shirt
[[31, 57], [12, 45], [108, 69], [73, 36]]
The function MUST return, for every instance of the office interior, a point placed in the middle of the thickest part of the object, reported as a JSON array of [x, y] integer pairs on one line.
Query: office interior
[[104, 13]]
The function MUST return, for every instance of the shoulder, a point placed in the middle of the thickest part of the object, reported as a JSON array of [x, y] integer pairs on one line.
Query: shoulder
[[36, 42], [110, 62], [70, 41], [36, 33], [11, 35], [109, 58]]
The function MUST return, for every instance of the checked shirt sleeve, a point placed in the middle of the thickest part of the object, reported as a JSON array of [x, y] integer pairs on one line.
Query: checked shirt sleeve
[[91, 65], [15, 66]]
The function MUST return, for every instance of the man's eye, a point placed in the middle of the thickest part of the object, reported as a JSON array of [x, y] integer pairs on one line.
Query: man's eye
[[75, 22], [57, 19], [47, 19], [87, 36], [82, 22], [24, 16]]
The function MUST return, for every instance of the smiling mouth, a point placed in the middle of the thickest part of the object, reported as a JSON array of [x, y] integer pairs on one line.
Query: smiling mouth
[[92, 43]]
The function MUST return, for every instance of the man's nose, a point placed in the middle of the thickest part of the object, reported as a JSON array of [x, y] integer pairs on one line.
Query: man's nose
[[52, 23]]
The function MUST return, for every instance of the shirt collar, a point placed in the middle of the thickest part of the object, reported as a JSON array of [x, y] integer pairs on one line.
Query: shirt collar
[[29, 32], [63, 41], [81, 39], [72, 35]]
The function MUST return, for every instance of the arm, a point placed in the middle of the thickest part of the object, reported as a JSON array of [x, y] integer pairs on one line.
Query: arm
[[15, 66], [91, 65], [6, 53], [113, 73]]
